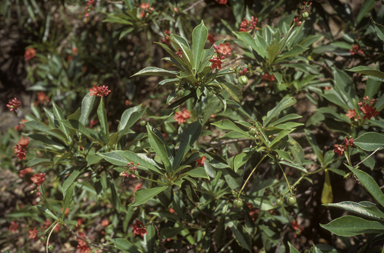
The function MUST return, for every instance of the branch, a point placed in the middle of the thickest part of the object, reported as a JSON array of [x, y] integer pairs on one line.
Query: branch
[[368, 157], [193, 5]]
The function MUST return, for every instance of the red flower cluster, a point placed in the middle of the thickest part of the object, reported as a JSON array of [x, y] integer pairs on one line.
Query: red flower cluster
[[100, 91], [248, 25], [297, 228], [297, 21], [104, 223], [145, 7], [368, 109], [38, 179], [211, 38], [254, 213], [82, 246], [132, 169], [41, 98], [139, 228], [89, 7], [222, 1], [24, 172], [181, 117], [201, 160], [19, 150], [92, 123], [13, 105], [20, 127], [13, 227], [179, 53], [138, 186], [33, 234], [167, 40], [221, 51], [339, 149], [29, 54], [356, 50], [268, 77]]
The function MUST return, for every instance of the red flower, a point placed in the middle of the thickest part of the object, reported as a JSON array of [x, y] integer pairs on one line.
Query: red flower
[[351, 113], [144, 6], [29, 54], [100, 91], [20, 152], [66, 210], [349, 142], [33, 234], [92, 122], [127, 102], [13, 105], [179, 53], [222, 1], [138, 228], [297, 228], [82, 246], [211, 39], [181, 117], [201, 160], [104, 223], [338, 149], [13, 227], [41, 98], [138, 186], [216, 63], [47, 223], [248, 25], [369, 111], [223, 49], [171, 210], [24, 171], [23, 142], [38, 178], [356, 50]]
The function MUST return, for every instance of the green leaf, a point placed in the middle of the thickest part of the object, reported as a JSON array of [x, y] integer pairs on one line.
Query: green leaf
[[199, 37], [296, 150], [292, 249], [247, 38], [115, 197], [39, 161], [367, 71], [60, 116], [365, 8], [240, 159], [153, 71], [288, 117], [370, 184], [291, 53], [233, 90], [182, 65], [345, 87], [280, 136], [102, 115], [327, 194], [160, 148], [143, 195], [114, 158], [142, 160], [130, 117], [43, 128], [312, 140], [229, 125], [68, 182], [188, 137], [370, 141], [170, 232], [150, 238], [351, 226], [46, 211], [219, 235], [379, 31], [241, 235], [365, 208], [284, 103], [74, 124], [296, 166], [124, 244], [372, 87], [68, 196], [86, 108], [198, 172]]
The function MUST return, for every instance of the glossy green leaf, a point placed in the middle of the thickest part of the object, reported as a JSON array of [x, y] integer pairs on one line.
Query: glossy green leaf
[[188, 137], [296, 166], [241, 235], [370, 141], [102, 115], [379, 31], [89, 133], [288, 117], [372, 87], [179, 62], [283, 104], [365, 8], [312, 140], [199, 37], [345, 86], [197, 172], [143, 160], [86, 108], [43, 128], [292, 249], [296, 151], [130, 117], [233, 90], [160, 148], [364, 208], [143, 195], [68, 182], [280, 136], [229, 125], [249, 40], [150, 238], [60, 116], [219, 235], [240, 159], [153, 71], [291, 53], [170, 232], [370, 184], [367, 71], [352, 225], [115, 197], [114, 158], [39, 161], [124, 244], [46, 211], [68, 196]]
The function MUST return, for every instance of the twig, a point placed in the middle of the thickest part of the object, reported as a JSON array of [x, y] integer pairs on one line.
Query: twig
[[324, 67], [193, 5], [49, 236], [368, 157]]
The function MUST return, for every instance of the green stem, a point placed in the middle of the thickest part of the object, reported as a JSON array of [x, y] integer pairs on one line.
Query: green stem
[[31, 116], [144, 178], [246, 181], [285, 176]]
